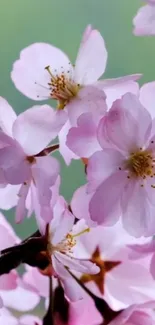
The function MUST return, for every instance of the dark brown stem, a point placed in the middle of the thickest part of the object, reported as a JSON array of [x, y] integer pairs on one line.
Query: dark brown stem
[[48, 150], [48, 319]]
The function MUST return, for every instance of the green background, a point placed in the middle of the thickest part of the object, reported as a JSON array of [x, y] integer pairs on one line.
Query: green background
[[61, 22]]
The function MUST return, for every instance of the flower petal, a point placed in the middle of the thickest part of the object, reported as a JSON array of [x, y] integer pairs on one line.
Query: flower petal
[[91, 59], [104, 206], [138, 213], [144, 22], [45, 172], [82, 140], [29, 74], [66, 153], [101, 165], [147, 97], [77, 264], [66, 219], [127, 125], [7, 116], [90, 99], [9, 196], [21, 209], [116, 88], [35, 128], [80, 204]]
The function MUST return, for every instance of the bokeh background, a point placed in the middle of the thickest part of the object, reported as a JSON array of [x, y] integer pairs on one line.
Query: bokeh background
[[61, 22]]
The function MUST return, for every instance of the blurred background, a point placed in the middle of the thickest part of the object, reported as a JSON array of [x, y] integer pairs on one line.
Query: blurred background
[[62, 22]]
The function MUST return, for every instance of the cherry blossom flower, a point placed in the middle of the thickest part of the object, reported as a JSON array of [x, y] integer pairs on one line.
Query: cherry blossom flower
[[20, 158], [144, 21], [121, 281], [62, 242], [122, 174], [48, 73], [136, 314]]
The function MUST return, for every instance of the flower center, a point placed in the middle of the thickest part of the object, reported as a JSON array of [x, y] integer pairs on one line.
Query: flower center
[[62, 87], [141, 165], [66, 245]]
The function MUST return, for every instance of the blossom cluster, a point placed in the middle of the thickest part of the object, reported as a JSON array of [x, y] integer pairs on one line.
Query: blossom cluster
[[98, 249]]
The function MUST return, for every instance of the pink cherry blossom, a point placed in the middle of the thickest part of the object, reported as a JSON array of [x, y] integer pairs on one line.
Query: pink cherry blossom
[[126, 281], [144, 21], [62, 242], [48, 73], [19, 159], [122, 174]]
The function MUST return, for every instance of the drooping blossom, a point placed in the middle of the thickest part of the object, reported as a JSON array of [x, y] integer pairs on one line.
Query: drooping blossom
[[121, 281], [22, 139], [79, 312], [144, 21], [121, 175], [11, 284], [142, 314], [62, 240], [48, 73]]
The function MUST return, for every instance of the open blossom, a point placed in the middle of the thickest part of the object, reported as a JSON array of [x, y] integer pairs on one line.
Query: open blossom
[[62, 240], [22, 139], [144, 21], [48, 73], [121, 177], [121, 281]]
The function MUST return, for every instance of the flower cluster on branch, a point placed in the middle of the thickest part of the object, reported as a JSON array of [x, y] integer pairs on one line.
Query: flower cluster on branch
[[91, 260]]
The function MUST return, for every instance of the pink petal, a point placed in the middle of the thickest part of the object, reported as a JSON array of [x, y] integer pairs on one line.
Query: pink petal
[[90, 99], [66, 153], [72, 290], [152, 266], [8, 116], [76, 264], [104, 206], [101, 165], [21, 209], [38, 123], [139, 206], [45, 172], [144, 22], [66, 219], [82, 140], [116, 88], [37, 281], [80, 204], [121, 126], [86, 34], [147, 97], [91, 59], [6, 238], [8, 281], [12, 299], [29, 74], [9, 196]]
